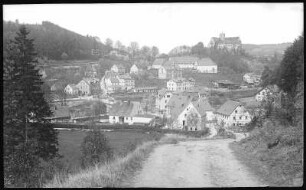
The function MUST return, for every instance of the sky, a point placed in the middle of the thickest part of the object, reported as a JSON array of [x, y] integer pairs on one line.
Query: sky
[[167, 25]]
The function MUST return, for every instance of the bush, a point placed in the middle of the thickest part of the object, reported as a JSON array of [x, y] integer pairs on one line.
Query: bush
[[95, 148]]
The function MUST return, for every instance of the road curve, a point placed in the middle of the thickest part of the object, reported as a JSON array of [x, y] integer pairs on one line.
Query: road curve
[[205, 163]]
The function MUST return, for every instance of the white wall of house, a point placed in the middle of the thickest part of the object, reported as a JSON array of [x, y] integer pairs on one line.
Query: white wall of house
[[140, 119], [238, 117], [162, 102], [115, 68], [162, 73], [83, 87], [181, 120], [208, 69], [210, 115], [113, 119], [262, 95], [186, 66], [134, 69], [156, 66]]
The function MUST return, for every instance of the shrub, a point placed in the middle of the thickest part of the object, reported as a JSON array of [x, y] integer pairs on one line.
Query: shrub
[[95, 148]]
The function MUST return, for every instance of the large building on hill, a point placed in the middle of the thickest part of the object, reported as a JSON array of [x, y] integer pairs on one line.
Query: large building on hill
[[180, 84], [228, 43]]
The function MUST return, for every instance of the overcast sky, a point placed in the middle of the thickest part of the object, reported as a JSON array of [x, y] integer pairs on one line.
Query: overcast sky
[[169, 25]]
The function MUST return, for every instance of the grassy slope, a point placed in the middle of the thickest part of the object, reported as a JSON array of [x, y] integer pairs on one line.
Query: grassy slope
[[281, 164], [70, 143]]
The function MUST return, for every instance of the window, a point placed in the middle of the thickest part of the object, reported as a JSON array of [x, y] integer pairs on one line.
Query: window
[[168, 96], [114, 117], [234, 118], [236, 111], [246, 117], [240, 117]]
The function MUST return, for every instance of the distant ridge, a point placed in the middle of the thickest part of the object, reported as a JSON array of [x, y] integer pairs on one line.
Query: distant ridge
[[265, 49]]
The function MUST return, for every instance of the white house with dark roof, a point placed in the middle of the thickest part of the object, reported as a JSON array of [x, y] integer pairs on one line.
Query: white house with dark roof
[[124, 112], [118, 68], [84, 87], [163, 97], [134, 69], [180, 84], [184, 62], [206, 65], [232, 113], [71, 89], [180, 107]]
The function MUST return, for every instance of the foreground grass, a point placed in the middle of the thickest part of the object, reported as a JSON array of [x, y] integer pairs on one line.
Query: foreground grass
[[274, 152], [108, 175]]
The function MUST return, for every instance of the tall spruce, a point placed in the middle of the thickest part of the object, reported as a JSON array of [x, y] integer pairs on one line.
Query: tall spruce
[[26, 129]]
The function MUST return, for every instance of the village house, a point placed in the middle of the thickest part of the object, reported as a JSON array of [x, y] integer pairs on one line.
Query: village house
[[183, 109], [134, 70], [118, 68], [163, 96], [229, 43], [206, 65], [180, 84], [112, 82], [71, 89], [124, 112], [264, 93], [169, 71], [232, 113], [158, 63], [251, 78], [184, 62], [84, 87], [149, 89], [91, 70]]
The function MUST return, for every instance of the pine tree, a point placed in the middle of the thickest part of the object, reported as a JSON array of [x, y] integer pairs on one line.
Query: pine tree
[[26, 130]]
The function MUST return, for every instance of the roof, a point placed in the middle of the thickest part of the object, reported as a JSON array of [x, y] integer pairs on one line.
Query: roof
[[73, 86], [162, 91], [228, 107], [109, 74], [114, 80], [178, 103], [206, 62], [145, 115], [119, 66], [184, 59], [225, 82], [159, 61], [202, 105], [124, 109]]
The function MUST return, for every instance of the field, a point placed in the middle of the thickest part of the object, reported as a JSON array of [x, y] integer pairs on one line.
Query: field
[[121, 141]]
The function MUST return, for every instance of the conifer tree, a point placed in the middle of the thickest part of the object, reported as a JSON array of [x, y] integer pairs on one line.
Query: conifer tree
[[26, 130]]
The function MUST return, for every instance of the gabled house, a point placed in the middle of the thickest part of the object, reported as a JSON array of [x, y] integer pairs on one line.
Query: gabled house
[[263, 93], [183, 109], [169, 71], [206, 65], [158, 63], [162, 98], [232, 113], [84, 87], [134, 69], [180, 84], [184, 62], [71, 89], [118, 68], [251, 78], [124, 112]]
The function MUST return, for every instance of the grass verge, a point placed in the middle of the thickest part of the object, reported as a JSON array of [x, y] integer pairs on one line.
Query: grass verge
[[108, 175]]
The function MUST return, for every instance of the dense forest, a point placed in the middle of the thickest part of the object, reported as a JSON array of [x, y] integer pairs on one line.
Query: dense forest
[[55, 42]]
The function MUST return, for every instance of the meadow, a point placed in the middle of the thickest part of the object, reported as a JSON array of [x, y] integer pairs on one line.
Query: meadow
[[122, 141]]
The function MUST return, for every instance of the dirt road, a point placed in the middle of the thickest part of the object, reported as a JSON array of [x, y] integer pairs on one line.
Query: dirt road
[[205, 163]]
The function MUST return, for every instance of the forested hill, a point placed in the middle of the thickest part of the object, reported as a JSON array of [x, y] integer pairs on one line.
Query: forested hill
[[265, 49], [55, 42]]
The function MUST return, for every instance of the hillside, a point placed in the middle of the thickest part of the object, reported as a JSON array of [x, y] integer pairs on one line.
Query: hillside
[[52, 41], [265, 49]]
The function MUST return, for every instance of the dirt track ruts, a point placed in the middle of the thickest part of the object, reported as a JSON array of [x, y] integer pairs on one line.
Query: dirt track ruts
[[204, 163]]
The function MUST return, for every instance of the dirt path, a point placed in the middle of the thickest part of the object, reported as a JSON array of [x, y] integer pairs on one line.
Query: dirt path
[[206, 163]]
